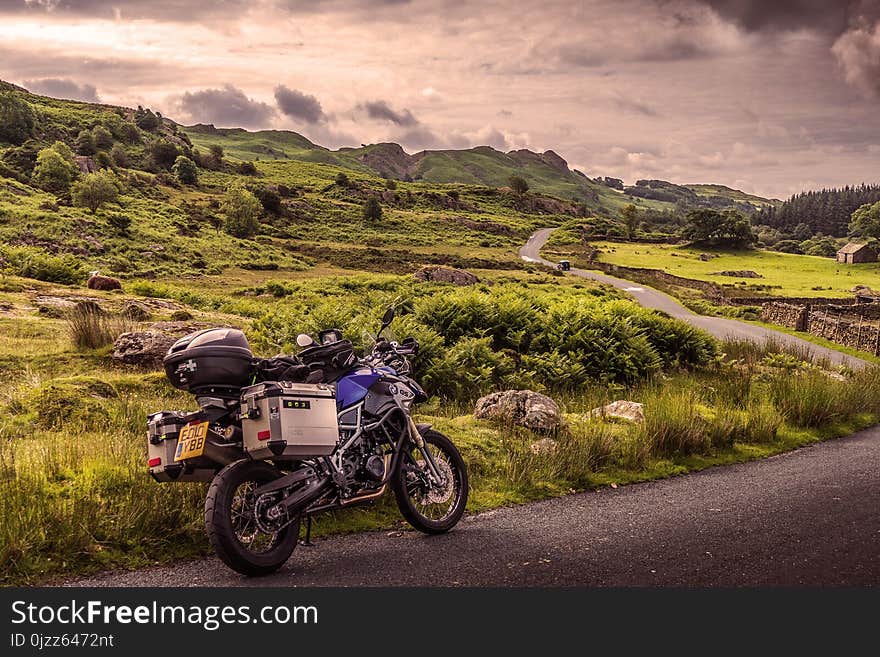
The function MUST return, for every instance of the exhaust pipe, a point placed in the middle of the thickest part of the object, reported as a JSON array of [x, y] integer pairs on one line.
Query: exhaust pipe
[[297, 501]]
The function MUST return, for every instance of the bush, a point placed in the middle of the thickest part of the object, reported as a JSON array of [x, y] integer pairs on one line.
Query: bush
[[242, 210], [342, 179], [145, 119], [372, 209], [102, 138], [119, 156], [518, 184], [185, 170], [85, 143], [16, 119], [95, 189], [31, 262], [163, 153], [245, 168], [119, 222], [55, 168]]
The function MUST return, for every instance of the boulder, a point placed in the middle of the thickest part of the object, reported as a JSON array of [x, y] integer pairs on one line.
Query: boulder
[[142, 348], [137, 311], [181, 316], [625, 410], [706, 257], [525, 408], [446, 275]]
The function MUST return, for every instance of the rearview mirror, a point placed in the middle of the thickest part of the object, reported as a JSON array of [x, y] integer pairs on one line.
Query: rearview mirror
[[387, 318], [304, 340]]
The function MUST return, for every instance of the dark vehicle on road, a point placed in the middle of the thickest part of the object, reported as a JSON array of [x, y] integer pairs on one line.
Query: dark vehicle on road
[[282, 439], [564, 265]]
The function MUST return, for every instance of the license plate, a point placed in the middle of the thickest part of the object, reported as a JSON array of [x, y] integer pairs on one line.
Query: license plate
[[191, 442]]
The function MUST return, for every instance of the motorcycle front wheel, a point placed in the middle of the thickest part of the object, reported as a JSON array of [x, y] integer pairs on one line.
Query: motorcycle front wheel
[[429, 506], [231, 521]]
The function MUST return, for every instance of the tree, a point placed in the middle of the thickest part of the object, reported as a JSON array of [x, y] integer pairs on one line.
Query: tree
[[163, 153], [342, 180], [372, 209], [391, 184], [242, 210], [16, 119], [119, 156], [102, 138], [713, 228], [865, 221], [216, 151], [95, 189], [630, 217], [185, 170], [85, 143], [55, 168], [518, 184]]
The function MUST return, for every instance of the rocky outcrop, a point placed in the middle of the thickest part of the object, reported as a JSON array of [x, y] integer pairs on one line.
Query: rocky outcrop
[[142, 348], [446, 275], [525, 408], [738, 273], [625, 410]]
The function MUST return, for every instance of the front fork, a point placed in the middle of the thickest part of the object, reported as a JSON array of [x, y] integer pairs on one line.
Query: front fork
[[437, 477]]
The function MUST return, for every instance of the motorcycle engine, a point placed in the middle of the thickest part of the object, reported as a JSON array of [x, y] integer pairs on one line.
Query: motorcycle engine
[[363, 466]]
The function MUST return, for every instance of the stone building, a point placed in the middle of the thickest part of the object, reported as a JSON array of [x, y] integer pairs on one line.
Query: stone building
[[853, 253]]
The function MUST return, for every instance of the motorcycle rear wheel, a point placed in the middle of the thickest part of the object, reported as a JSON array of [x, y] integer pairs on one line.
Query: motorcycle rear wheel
[[231, 524], [427, 507]]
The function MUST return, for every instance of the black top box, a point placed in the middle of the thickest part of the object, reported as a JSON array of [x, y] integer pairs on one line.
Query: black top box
[[210, 361]]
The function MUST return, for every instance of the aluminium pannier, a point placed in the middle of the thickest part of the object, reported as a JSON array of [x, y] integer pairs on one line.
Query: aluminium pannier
[[163, 430], [286, 420]]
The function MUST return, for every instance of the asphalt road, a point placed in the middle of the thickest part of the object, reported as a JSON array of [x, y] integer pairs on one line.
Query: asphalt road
[[720, 327], [806, 518]]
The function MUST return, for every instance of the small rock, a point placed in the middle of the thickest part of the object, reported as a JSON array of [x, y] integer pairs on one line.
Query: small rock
[[706, 257], [738, 273], [625, 410], [446, 275], [142, 348], [525, 408], [544, 446]]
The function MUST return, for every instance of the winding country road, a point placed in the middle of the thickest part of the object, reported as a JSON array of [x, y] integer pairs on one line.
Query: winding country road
[[807, 518], [720, 327]]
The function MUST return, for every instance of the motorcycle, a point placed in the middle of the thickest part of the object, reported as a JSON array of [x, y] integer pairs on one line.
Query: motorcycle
[[283, 439]]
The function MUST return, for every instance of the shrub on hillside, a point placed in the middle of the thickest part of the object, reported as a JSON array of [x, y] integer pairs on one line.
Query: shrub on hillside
[[55, 168], [372, 209], [185, 170], [119, 156], [95, 189], [242, 211], [16, 119], [85, 143], [32, 262], [162, 153], [102, 138]]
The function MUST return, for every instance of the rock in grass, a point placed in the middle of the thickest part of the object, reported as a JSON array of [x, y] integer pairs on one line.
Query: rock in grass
[[525, 408], [625, 410], [142, 348], [136, 311], [544, 446], [446, 275]]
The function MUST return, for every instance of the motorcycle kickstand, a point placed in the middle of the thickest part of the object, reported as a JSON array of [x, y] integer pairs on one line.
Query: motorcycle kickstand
[[308, 541]]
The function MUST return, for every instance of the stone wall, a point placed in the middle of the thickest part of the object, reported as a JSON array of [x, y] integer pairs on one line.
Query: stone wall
[[849, 331], [786, 314], [649, 276], [850, 325]]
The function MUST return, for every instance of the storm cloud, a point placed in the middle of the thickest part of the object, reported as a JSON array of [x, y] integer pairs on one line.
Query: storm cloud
[[63, 88], [380, 110], [227, 107], [858, 52], [298, 105]]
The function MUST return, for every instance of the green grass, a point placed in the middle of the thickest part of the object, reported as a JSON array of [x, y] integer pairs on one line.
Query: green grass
[[783, 274]]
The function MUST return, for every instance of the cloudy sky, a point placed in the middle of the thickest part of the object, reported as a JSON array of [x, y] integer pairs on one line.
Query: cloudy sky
[[770, 97]]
